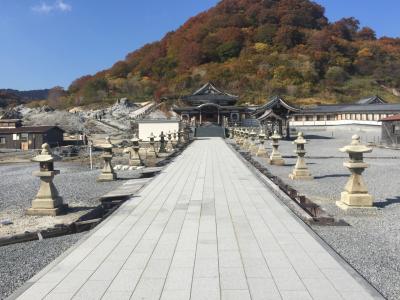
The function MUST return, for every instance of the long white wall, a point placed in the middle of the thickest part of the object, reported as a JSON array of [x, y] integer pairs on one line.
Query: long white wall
[[334, 123]]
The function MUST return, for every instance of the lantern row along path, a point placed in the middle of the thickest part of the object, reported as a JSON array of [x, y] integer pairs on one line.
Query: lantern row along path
[[205, 228]]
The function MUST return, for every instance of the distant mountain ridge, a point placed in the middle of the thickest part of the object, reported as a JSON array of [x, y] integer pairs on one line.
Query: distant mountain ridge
[[255, 49], [15, 97]]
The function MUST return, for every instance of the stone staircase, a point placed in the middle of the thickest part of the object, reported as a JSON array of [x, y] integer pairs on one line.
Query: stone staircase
[[210, 131]]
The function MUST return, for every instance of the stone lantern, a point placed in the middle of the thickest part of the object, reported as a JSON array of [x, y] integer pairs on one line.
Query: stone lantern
[[134, 157], [170, 147], [276, 157], [187, 134], [232, 133], [151, 150], [183, 137], [239, 136], [246, 141], [300, 170], [355, 194], [174, 141], [107, 173], [234, 130], [162, 143], [180, 137], [253, 146], [262, 152], [47, 201]]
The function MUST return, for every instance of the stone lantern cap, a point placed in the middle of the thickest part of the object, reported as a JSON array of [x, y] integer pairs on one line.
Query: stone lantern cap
[[252, 133], [261, 134], [135, 139], [276, 136], [356, 146], [45, 155], [107, 145], [300, 139], [152, 136]]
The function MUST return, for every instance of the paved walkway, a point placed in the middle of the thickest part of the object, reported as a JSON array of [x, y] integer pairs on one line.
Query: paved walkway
[[205, 228]]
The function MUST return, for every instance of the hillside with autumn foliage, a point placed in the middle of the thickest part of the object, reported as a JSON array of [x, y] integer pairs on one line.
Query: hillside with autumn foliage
[[255, 49]]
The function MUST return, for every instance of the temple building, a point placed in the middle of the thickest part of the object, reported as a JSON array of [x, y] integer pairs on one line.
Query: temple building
[[276, 115], [209, 105], [391, 131], [367, 111]]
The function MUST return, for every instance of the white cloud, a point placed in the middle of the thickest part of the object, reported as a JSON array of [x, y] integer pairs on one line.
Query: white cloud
[[46, 8], [62, 6]]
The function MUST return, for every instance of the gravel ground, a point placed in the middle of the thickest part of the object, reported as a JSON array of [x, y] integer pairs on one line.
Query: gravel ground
[[371, 244], [19, 262], [76, 184]]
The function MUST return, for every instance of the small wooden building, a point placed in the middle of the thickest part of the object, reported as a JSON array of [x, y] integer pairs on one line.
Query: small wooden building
[[391, 131], [275, 115], [15, 136]]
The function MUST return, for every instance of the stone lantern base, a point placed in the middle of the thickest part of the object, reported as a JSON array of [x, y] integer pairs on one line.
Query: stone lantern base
[[262, 152], [151, 153], [253, 148], [348, 200], [276, 159], [40, 211], [107, 177], [107, 173], [300, 171], [135, 162], [355, 194], [170, 147], [301, 174], [47, 201]]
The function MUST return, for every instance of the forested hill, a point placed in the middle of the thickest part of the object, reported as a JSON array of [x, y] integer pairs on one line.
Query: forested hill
[[255, 48], [15, 97]]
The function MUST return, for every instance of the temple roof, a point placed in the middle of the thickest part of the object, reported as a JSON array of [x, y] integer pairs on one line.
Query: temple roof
[[274, 103], [353, 108], [208, 93], [371, 100], [268, 114]]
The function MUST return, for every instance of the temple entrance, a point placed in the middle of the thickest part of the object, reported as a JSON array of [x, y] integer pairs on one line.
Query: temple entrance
[[209, 115]]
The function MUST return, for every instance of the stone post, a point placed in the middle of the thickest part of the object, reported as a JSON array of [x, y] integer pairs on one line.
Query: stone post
[[355, 194], [187, 134], [234, 131], [246, 141], [162, 143], [174, 141], [276, 157], [239, 136], [170, 147], [300, 170], [179, 143], [182, 136], [151, 150], [134, 157], [253, 148], [262, 152], [107, 173], [47, 201]]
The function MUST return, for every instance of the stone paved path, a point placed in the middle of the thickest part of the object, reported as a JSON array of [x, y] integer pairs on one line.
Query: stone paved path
[[205, 228]]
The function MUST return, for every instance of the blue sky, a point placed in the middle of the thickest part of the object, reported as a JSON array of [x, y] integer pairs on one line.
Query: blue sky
[[44, 43]]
